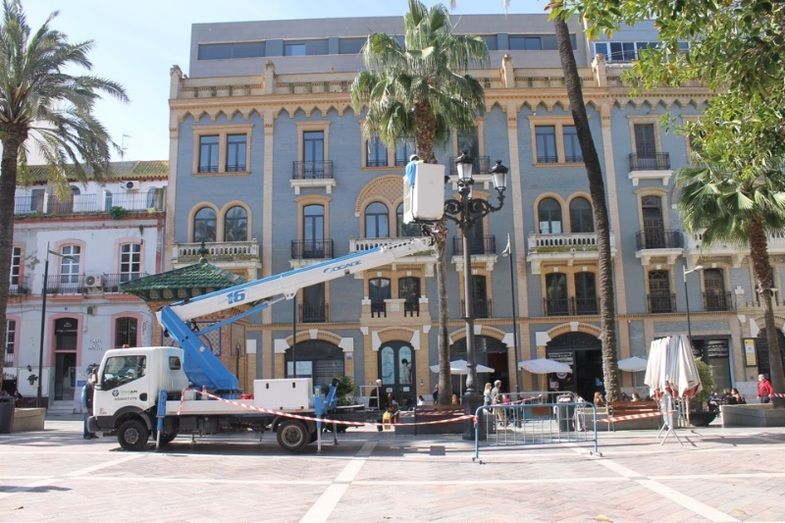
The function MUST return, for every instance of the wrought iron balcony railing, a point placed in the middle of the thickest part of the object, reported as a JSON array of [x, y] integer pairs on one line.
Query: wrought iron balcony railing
[[661, 302], [657, 238], [485, 245], [717, 301], [312, 170], [480, 165], [482, 308], [312, 249], [313, 313], [650, 162]]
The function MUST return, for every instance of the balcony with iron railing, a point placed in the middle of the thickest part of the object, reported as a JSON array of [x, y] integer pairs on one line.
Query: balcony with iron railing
[[312, 170], [312, 249], [656, 238], [717, 301], [572, 306], [650, 162], [90, 203], [66, 284], [656, 166], [480, 165], [661, 302], [480, 246], [411, 307], [313, 312], [312, 174], [8, 360]]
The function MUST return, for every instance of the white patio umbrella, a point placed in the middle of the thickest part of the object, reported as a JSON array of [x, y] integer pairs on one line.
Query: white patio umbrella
[[633, 364], [655, 369], [543, 366], [460, 368]]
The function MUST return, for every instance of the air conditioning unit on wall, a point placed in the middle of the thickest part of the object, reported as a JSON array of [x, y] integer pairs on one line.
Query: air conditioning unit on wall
[[130, 185], [93, 281]]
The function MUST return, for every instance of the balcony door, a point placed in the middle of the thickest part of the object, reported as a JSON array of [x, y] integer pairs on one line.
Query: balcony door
[[653, 223], [313, 309], [660, 292], [585, 293], [313, 231], [714, 283], [645, 146], [313, 154], [549, 216], [556, 294], [409, 290]]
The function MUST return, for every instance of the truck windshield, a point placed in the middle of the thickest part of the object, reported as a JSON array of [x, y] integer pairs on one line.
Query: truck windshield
[[122, 369]]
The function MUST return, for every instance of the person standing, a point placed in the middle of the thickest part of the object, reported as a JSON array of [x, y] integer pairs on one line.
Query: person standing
[[87, 401], [435, 393], [765, 390]]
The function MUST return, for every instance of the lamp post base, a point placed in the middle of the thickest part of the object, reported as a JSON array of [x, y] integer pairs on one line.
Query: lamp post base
[[471, 402]]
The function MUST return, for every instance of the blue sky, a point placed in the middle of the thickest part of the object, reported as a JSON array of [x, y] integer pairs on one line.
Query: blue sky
[[136, 42]]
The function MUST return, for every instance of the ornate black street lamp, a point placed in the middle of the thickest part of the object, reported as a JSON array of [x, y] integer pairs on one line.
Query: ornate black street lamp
[[465, 212]]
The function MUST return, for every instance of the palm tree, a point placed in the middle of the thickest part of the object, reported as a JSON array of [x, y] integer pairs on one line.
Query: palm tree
[[591, 161], [421, 90], [740, 209], [43, 106]]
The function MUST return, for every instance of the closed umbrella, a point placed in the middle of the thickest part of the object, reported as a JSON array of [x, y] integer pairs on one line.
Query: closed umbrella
[[544, 366]]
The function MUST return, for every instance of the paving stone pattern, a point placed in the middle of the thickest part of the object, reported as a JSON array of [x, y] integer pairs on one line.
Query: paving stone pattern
[[719, 475]]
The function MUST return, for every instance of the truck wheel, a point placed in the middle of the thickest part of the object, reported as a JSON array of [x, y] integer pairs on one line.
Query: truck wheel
[[133, 435], [292, 435]]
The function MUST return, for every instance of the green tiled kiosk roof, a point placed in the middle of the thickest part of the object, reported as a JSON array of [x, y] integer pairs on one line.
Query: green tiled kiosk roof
[[133, 170], [185, 282]]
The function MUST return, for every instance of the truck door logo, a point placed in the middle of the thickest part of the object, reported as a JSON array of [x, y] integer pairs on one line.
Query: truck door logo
[[115, 393]]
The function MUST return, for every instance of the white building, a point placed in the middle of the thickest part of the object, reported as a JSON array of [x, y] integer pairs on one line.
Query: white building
[[100, 235]]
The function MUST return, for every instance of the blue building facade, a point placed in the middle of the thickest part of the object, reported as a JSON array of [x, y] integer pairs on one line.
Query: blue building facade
[[270, 167]]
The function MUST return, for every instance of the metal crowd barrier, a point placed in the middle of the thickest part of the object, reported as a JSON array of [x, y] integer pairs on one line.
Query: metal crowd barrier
[[550, 419]]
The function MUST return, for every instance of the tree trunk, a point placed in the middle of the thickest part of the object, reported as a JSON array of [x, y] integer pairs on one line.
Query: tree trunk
[[445, 383], [425, 130], [7, 194], [600, 208], [761, 268]]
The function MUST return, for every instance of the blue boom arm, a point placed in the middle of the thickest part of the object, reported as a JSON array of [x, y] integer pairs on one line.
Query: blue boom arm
[[201, 366]]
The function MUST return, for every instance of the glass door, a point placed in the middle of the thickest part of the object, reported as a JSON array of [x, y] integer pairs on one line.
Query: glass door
[[396, 369]]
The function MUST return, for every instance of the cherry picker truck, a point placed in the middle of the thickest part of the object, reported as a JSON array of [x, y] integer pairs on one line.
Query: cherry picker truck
[[158, 391]]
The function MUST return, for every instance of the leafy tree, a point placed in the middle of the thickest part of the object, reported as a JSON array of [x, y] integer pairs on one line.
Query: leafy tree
[[735, 48], [43, 106], [735, 202], [420, 89]]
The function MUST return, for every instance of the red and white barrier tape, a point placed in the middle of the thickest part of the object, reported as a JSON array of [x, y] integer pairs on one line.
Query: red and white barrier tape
[[630, 416], [777, 395], [314, 419]]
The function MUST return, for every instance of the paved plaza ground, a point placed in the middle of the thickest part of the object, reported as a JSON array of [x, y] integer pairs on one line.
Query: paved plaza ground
[[719, 475]]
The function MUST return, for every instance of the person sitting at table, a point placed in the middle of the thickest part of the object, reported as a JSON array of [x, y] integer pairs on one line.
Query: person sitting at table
[[734, 392], [598, 399], [635, 397]]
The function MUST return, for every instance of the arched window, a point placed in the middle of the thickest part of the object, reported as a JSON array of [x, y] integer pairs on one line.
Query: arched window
[[377, 221], [549, 216], [406, 230], [204, 225], [581, 219], [236, 225]]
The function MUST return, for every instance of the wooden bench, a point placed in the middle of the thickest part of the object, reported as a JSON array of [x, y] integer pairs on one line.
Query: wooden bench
[[629, 408]]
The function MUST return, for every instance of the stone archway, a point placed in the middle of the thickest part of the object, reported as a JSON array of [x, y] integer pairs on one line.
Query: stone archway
[[490, 352], [583, 352]]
